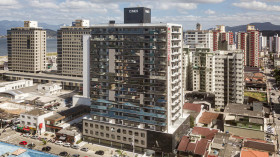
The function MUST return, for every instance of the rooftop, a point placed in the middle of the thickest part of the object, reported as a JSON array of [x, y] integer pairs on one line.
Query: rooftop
[[208, 117], [242, 109], [192, 107], [198, 147], [36, 112], [256, 145], [245, 152], [208, 133]]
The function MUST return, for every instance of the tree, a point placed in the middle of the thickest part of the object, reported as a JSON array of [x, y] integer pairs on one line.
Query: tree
[[121, 153]]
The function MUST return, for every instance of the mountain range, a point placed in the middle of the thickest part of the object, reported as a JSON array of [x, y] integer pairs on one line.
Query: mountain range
[[51, 29], [6, 25]]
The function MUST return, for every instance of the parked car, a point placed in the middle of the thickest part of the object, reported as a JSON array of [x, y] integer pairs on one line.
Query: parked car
[[75, 155], [31, 145], [75, 146], [34, 137], [26, 135], [59, 142], [84, 149], [99, 152], [66, 145], [63, 154], [23, 143], [48, 148]]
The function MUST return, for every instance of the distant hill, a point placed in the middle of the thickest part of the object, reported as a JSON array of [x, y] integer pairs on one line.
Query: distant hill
[[6, 25], [259, 26]]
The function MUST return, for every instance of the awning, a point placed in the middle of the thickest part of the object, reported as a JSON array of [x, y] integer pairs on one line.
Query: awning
[[26, 129], [62, 137], [19, 127]]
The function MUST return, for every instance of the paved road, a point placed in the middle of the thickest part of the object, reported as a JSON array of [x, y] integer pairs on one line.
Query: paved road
[[13, 137], [273, 95]]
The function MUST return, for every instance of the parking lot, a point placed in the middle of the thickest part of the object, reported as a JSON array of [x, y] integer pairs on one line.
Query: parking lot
[[13, 137]]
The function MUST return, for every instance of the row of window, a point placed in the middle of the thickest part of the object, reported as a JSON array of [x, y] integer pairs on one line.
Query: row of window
[[113, 129], [102, 134], [28, 117]]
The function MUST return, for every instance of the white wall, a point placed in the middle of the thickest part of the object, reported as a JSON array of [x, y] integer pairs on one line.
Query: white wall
[[80, 100]]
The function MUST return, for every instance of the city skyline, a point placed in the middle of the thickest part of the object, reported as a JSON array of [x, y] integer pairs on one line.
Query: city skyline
[[186, 12]]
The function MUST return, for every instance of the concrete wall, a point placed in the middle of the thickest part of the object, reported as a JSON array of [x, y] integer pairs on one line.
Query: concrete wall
[[80, 100]]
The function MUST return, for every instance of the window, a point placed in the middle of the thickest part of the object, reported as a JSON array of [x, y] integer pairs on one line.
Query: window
[[22, 122], [35, 118], [28, 117], [91, 132], [86, 124], [124, 138], [136, 134], [91, 125], [28, 123], [142, 135], [107, 135], [119, 131], [118, 137], [142, 142], [102, 127], [113, 136], [136, 141], [23, 116], [107, 128], [130, 132], [86, 131], [96, 133], [96, 126], [124, 131], [102, 134], [34, 124]]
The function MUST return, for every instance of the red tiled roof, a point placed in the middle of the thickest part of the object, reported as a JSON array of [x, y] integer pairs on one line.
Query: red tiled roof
[[245, 152], [208, 117], [207, 132], [198, 147], [183, 144], [201, 146], [257, 140], [193, 107]]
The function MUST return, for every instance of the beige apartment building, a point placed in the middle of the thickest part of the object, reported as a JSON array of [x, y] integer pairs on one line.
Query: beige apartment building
[[70, 48], [27, 48]]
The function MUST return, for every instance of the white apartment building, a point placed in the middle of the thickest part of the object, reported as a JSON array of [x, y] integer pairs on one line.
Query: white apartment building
[[219, 72], [263, 43], [27, 48], [70, 48], [34, 120], [5, 86], [50, 88], [199, 38]]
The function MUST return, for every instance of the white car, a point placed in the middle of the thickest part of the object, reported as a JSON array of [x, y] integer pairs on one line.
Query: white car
[[66, 145], [25, 135], [59, 142], [75, 146]]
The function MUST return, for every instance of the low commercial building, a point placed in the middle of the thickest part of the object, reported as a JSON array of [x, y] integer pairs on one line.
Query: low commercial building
[[69, 134], [246, 152], [35, 120], [50, 88], [11, 85], [243, 121], [255, 81], [194, 110], [260, 146], [57, 121], [212, 120]]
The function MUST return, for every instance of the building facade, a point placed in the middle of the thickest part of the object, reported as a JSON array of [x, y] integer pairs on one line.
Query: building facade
[[219, 72], [249, 42], [27, 48], [136, 86], [70, 48]]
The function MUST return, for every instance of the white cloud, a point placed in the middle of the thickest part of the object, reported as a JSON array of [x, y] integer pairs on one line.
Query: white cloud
[[43, 4], [257, 5], [173, 1], [8, 2], [209, 12]]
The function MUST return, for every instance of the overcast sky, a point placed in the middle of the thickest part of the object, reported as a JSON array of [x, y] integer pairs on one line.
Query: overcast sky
[[187, 12]]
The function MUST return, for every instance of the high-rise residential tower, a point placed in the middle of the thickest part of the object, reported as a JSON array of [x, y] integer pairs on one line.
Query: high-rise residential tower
[[249, 43], [27, 48], [136, 86], [70, 48]]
